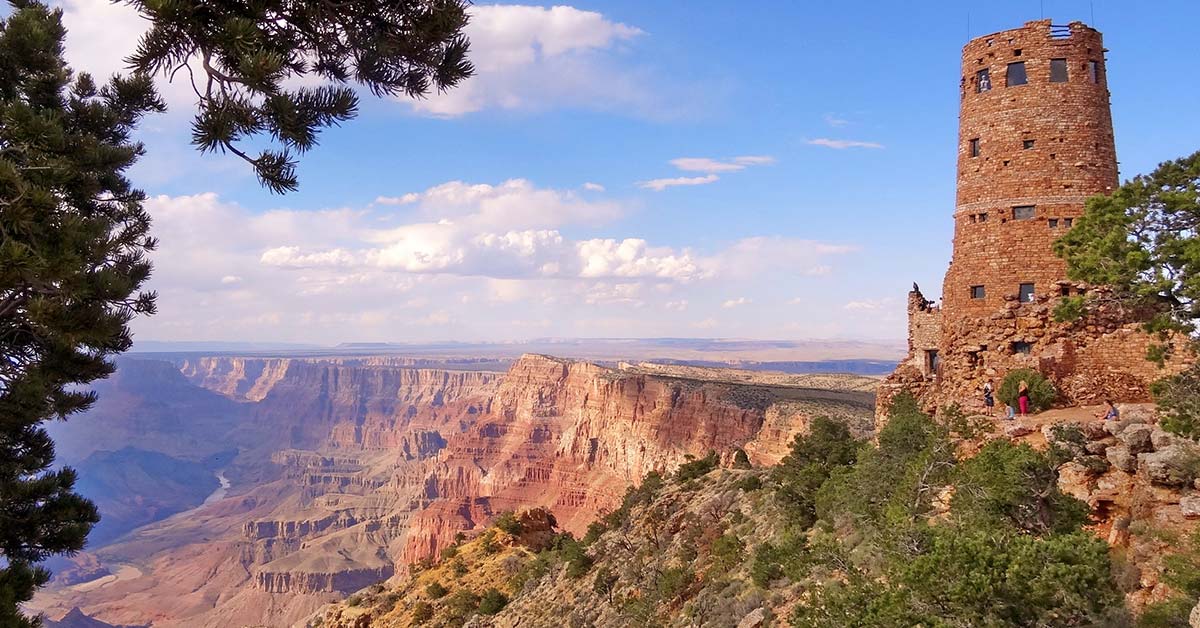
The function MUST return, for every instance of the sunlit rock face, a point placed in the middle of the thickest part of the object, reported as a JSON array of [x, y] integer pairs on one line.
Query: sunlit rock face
[[348, 470]]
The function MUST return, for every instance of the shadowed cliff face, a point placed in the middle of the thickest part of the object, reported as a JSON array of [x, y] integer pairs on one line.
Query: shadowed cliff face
[[366, 466]]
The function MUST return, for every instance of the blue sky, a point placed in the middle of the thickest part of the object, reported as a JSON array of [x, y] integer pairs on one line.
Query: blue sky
[[803, 237]]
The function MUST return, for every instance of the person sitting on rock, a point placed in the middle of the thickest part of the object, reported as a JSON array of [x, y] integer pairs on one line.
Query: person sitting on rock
[[1109, 412], [1009, 412]]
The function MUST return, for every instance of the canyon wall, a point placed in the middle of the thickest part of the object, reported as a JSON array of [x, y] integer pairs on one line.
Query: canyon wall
[[366, 465]]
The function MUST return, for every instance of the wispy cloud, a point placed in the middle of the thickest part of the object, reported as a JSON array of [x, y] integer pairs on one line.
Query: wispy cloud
[[593, 187], [738, 302], [659, 185], [843, 144], [835, 120], [706, 164]]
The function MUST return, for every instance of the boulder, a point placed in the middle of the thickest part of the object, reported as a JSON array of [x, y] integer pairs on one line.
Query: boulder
[[1097, 447], [1190, 506], [1093, 430], [1121, 458], [1017, 430], [1137, 438], [1172, 466], [1161, 439], [754, 618], [1194, 618]]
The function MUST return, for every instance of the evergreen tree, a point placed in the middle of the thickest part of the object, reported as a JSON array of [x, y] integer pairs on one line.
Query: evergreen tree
[[73, 241], [243, 60]]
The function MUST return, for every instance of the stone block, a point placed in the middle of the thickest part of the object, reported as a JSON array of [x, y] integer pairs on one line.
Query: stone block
[[1136, 438], [1121, 458]]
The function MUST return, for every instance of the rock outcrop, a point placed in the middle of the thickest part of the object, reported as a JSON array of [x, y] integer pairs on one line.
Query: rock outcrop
[[375, 465]]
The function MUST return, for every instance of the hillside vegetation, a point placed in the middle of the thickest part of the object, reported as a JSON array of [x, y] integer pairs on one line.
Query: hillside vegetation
[[903, 531]]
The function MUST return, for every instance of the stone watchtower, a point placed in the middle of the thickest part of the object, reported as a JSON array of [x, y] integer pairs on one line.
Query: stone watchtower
[[1035, 142]]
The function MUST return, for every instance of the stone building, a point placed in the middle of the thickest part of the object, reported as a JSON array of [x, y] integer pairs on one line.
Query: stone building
[[1035, 142]]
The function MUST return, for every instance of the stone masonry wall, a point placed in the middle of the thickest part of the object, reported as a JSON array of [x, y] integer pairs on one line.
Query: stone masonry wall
[[1044, 146]]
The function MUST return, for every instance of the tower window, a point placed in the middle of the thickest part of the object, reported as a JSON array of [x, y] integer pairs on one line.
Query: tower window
[[1093, 69], [1053, 223], [933, 362], [1027, 144], [974, 147], [1022, 347], [1025, 293], [977, 292], [1067, 222], [1016, 74], [1024, 212], [1065, 291], [983, 217], [1058, 70], [1017, 52], [983, 81]]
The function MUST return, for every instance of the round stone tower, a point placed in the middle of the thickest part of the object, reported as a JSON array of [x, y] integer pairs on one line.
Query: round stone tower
[[1035, 141]]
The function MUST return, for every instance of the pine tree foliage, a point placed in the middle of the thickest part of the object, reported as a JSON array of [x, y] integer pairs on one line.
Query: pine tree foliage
[[1144, 242], [246, 62], [73, 243]]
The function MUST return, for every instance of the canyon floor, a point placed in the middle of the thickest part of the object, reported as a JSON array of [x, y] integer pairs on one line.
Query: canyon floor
[[295, 481]]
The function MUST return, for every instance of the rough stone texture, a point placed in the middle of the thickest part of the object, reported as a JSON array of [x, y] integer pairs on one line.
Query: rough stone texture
[[1172, 466], [1137, 438], [1190, 506], [1043, 144], [1194, 617], [753, 619], [1121, 458]]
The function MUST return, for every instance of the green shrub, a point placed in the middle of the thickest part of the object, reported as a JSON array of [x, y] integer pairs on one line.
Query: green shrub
[[508, 523], [1178, 400], [697, 468], [462, 604], [422, 612], [449, 552], [727, 551], [673, 581], [492, 601], [354, 600], [435, 590], [765, 567], [1041, 391], [578, 562], [594, 530], [458, 567], [828, 445], [487, 542], [750, 483]]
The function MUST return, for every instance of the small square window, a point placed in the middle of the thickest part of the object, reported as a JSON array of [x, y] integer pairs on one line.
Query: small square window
[[983, 81], [1093, 69], [1065, 291], [1024, 212], [983, 217], [1016, 74], [974, 218], [1025, 293], [1053, 223], [974, 147], [977, 292], [1058, 70], [1067, 222], [1017, 52], [1027, 144], [1022, 347]]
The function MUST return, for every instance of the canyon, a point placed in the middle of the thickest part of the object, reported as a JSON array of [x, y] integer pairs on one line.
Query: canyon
[[344, 471]]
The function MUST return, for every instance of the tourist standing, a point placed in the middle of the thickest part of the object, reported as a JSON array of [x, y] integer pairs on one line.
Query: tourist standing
[[1023, 397]]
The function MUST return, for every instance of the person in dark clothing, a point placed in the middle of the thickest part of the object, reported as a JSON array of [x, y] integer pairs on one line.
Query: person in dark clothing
[[989, 396]]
